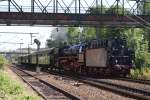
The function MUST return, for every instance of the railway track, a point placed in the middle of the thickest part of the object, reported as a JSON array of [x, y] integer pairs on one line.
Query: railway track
[[136, 93], [122, 89], [44, 89], [142, 81]]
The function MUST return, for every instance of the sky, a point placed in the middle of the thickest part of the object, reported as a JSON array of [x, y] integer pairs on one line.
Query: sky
[[44, 32], [43, 35]]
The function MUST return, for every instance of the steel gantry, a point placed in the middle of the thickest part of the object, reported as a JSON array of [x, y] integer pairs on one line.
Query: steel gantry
[[116, 13]]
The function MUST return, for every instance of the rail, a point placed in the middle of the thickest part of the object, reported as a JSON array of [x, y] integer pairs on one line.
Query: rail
[[41, 83]]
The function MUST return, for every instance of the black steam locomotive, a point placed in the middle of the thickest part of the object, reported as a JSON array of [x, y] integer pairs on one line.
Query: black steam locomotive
[[106, 57]]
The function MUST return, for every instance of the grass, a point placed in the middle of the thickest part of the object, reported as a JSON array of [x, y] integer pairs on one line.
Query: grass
[[2, 62], [142, 73], [11, 90]]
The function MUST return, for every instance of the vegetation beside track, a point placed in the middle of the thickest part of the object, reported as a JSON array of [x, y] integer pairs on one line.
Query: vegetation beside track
[[142, 60], [142, 73], [3, 62], [10, 89]]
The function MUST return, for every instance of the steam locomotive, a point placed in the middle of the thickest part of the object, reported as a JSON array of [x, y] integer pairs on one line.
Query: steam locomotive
[[105, 57]]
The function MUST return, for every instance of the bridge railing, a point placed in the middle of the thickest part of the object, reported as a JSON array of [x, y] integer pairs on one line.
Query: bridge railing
[[73, 6]]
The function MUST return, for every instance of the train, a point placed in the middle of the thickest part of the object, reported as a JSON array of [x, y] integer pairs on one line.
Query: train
[[109, 56]]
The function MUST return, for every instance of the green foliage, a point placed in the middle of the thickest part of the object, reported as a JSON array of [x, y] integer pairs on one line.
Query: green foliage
[[8, 87], [135, 73], [136, 41], [89, 32], [146, 7], [146, 34], [2, 62], [73, 35], [142, 59], [27, 98], [105, 32], [142, 73], [94, 10], [57, 38], [10, 90], [117, 10]]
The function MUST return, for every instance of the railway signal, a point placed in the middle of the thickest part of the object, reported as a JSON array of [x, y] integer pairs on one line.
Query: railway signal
[[38, 43]]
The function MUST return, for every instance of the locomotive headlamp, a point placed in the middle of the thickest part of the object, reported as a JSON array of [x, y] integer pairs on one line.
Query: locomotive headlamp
[[116, 61], [122, 46], [132, 61]]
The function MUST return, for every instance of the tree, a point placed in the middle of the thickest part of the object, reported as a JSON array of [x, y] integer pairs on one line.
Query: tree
[[73, 35], [146, 7], [57, 38], [97, 10], [105, 32]]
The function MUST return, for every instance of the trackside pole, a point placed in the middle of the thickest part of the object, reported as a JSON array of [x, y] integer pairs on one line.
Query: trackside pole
[[38, 69]]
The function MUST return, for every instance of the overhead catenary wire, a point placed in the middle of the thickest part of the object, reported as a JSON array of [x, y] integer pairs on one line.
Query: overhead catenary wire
[[11, 43], [16, 33], [31, 34]]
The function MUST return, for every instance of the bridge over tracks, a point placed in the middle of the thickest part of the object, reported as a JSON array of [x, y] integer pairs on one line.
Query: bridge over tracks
[[123, 13]]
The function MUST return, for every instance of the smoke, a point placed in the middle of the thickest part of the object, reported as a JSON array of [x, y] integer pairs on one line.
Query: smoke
[[59, 34]]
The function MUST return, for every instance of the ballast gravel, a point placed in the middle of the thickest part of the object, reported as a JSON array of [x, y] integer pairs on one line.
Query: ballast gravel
[[84, 91]]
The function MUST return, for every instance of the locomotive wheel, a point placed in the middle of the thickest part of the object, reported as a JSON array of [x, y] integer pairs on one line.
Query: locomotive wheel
[[84, 70], [108, 71], [123, 75]]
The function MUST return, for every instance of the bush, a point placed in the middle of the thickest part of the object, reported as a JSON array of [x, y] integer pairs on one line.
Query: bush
[[142, 59], [140, 73], [135, 73]]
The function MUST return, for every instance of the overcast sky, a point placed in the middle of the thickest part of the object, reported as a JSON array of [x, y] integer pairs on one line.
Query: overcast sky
[[44, 32]]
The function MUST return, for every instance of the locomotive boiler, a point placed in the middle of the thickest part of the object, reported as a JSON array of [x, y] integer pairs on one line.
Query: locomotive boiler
[[71, 57]]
